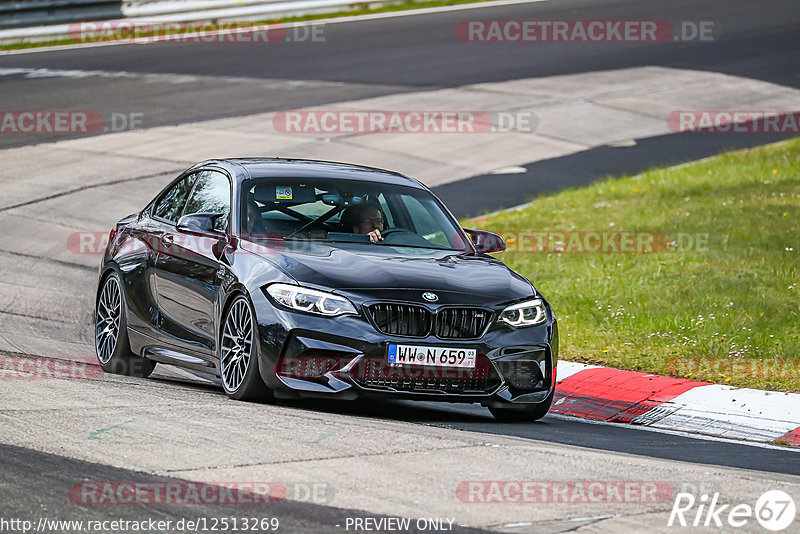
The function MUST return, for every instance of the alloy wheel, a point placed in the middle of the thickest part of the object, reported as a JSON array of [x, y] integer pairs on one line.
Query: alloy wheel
[[237, 345], [107, 320]]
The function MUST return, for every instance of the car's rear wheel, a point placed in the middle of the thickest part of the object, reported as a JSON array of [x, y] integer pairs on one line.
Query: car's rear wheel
[[532, 413], [238, 358], [111, 343]]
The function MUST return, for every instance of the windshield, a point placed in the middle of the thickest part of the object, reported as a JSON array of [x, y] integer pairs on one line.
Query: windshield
[[343, 211]]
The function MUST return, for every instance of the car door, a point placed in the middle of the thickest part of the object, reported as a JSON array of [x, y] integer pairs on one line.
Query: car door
[[189, 270], [138, 265]]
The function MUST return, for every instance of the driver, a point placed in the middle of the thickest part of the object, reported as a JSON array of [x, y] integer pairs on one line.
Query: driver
[[367, 219]]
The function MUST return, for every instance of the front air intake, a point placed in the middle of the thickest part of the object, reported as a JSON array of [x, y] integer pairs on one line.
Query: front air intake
[[412, 320], [401, 319]]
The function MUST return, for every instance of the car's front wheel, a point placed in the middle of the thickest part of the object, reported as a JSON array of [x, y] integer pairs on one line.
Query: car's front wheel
[[111, 343], [238, 353], [527, 414]]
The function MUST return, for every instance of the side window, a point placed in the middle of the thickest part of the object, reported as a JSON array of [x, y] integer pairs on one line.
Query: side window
[[424, 223], [211, 194], [169, 205]]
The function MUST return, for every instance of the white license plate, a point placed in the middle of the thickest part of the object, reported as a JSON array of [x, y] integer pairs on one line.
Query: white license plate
[[431, 356]]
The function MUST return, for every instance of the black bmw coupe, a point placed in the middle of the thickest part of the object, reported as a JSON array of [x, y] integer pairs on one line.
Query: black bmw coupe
[[294, 278]]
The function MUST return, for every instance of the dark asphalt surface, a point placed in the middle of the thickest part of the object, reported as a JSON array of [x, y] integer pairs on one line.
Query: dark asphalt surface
[[758, 40], [36, 485], [468, 198], [554, 428], [573, 431]]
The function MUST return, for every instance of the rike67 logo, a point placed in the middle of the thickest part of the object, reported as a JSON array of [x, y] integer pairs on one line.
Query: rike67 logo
[[774, 510]]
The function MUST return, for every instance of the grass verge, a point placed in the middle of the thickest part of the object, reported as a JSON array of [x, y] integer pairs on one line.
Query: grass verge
[[358, 8], [716, 298]]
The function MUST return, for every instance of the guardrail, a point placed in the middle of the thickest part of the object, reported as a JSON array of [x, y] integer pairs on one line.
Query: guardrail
[[48, 20], [18, 14]]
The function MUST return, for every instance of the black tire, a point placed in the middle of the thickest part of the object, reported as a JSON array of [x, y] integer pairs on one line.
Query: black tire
[[114, 351], [245, 385], [521, 415]]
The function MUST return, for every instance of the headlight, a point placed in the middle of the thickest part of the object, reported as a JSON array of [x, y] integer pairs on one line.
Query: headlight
[[528, 313], [310, 300]]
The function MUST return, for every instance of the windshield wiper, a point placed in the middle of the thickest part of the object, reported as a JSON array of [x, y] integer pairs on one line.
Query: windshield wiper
[[324, 239], [299, 238], [414, 246]]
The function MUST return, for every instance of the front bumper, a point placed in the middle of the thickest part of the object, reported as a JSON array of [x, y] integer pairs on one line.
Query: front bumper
[[346, 358]]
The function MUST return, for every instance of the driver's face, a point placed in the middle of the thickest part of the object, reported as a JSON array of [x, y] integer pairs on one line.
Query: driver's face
[[370, 220]]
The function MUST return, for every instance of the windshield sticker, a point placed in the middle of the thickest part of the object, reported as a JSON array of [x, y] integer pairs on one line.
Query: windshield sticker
[[283, 192]]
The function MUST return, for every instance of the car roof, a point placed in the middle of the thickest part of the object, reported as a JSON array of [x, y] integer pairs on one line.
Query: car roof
[[305, 168]]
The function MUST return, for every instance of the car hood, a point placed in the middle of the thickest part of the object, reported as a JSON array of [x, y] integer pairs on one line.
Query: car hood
[[386, 272]]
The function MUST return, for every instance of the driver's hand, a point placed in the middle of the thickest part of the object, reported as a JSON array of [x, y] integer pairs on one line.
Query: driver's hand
[[375, 236]]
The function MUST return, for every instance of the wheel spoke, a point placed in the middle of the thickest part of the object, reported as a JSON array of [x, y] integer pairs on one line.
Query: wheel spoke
[[104, 346], [241, 368], [228, 345]]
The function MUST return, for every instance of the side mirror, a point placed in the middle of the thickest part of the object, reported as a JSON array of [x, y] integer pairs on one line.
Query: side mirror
[[201, 223], [486, 241]]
